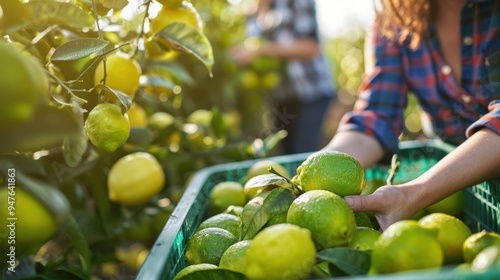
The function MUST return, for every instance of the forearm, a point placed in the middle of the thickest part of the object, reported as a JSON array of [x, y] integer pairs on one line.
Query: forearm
[[475, 161], [366, 149], [298, 49]]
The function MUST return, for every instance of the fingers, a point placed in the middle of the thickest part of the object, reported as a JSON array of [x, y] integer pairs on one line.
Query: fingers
[[360, 203]]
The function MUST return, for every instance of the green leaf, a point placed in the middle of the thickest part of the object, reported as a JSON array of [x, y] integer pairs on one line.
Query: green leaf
[[279, 200], [264, 180], [78, 48], [45, 130], [183, 37], [172, 69], [78, 241], [51, 12], [349, 260], [114, 4], [51, 197], [15, 14], [212, 274], [125, 100], [254, 216], [74, 146]]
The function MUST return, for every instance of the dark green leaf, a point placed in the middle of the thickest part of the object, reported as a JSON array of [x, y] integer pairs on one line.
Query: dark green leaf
[[51, 197], [186, 38], [78, 48], [279, 200], [254, 216], [74, 147], [27, 164], [349, 260], [265, 180], [51, 12], [45, 130], [139, 136], [125, 100], [79, 242], [212, 274]]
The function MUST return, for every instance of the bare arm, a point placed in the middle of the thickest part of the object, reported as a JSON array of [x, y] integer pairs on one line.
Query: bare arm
[[298, 49], [476, 160], [364, 148]]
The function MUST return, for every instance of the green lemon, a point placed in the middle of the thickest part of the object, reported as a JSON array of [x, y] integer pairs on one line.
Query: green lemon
[[107, 128], [190, 269], [333, 171], [477, 242], [451, 205], [235, 256], [208, 245], [452, 233], [364, 238], [225, 221], [404, 246], [488, 258], [326, 215], [225, 194], [282, 251]]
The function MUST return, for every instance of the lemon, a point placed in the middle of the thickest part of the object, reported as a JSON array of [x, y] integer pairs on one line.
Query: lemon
[[451, 205], [235, 256], [405, 245], [249, 80], [107, 128], [122, 73], [225, 221], [225, 194], [185, 272], [201, 117], [23, 85], [261, 167], [137, 116], [185, 13], [452, 233], [477, 242], [333, 171], [326, 215], [283, 251], [270, 80], [34, 224], [170, 3], [135, 178], [488, 258], [364, 238], [208, 245], [132, 256], [160, 120]]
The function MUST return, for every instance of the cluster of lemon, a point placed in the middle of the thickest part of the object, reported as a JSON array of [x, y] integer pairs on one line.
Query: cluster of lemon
[[286, 245]]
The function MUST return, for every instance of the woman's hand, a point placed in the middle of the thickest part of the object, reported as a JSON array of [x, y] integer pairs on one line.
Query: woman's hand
[[389, 204]]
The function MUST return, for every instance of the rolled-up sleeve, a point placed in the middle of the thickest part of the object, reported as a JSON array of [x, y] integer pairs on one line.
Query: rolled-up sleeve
[[382, 97], [490, 120]]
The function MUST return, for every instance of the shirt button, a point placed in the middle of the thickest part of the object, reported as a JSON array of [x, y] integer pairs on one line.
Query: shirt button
[[466, 98], [486, 62], [468, 41], [446, 70]]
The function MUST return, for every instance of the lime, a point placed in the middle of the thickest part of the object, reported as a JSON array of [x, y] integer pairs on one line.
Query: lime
[[451, 205], [208, 245], [225, 194], [135, 178], [235, 256], [326, 215], [477, 242], [364, 238], [452, 233], [107, 128], [333, 171], [225, 221], [279, 252], [405, 245], [488, 258], [192, 268]]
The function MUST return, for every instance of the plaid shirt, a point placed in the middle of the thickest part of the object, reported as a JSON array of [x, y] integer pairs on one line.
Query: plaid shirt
[[454, 111], [304, 80]]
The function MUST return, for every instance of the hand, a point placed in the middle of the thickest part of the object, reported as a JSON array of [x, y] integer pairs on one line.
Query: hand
[[389, 204]]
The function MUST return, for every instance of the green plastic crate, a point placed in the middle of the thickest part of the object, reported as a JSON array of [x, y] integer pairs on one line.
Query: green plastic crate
[[166, 258]]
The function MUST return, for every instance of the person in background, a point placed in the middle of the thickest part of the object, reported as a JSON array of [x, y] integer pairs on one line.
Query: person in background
[[447, 53], [299, 103]]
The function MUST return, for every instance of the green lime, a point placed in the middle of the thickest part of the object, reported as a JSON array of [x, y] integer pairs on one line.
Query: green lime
[[235, 256], [225, 221], [208, 245]]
